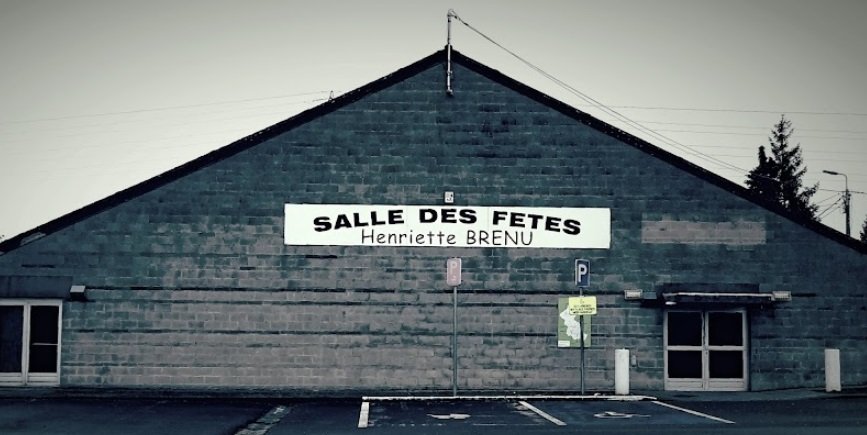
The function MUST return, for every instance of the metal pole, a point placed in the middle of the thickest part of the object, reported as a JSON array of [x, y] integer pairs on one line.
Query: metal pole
[[455, 342], [449, 16], [581, 322], [846, 197], [846, 206]]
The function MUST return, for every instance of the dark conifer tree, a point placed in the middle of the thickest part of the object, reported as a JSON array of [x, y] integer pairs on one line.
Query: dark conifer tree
[[864, 231], [778, 177]]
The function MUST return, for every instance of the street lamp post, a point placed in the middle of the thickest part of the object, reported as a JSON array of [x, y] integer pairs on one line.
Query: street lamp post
[[846, 197]]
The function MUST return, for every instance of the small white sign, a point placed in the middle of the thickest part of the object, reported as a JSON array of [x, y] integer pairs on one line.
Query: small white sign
[[453, 272]]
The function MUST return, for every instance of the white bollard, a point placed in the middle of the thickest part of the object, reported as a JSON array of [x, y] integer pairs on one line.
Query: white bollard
[[832, 370], [621, 371]]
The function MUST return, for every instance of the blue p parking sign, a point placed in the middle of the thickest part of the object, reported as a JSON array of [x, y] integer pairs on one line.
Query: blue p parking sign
[[582, 273]]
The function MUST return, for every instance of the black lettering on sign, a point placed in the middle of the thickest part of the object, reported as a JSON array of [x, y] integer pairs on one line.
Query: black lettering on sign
[[535, 218], [342, 222], [572, 227], [321, 223], [468, 216], [395, 216], [516, 220], [449, 216], [358, 220], [552, 224], [499, 238], [427, 215]]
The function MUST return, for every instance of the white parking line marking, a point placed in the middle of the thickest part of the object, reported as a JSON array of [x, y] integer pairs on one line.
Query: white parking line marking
[[265, 422], [542, 414], [363, 415], [696, 413]]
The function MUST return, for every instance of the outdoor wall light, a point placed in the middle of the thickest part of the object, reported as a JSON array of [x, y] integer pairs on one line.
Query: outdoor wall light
[[632, 295], [76, 293], [781, 296]]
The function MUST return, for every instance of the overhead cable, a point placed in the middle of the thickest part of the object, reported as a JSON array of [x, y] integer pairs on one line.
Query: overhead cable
[[159, 109], [603, 107]]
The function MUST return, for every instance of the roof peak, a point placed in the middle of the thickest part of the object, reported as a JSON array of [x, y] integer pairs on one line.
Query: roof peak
[[442, 56]]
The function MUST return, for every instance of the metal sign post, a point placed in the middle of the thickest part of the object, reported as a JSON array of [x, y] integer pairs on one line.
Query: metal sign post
[[453, 278], [582, 279], [581, 322]]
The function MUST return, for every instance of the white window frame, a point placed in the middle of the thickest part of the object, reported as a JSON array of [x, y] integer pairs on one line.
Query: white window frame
[[25, 378]]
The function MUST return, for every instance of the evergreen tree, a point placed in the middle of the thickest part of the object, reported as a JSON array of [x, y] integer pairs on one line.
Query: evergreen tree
[[864, 231], [778, 178], [763, 178]]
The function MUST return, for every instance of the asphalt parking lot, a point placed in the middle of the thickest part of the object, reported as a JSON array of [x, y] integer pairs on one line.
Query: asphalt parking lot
[[47, 416], [70, 416], [527, 412], [751, 414]]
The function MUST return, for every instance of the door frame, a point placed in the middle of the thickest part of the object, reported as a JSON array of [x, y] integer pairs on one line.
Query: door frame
[[25, 377], [706, 383]]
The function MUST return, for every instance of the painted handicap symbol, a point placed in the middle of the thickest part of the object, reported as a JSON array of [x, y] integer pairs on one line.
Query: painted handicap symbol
[[449, 416], [613, 414]]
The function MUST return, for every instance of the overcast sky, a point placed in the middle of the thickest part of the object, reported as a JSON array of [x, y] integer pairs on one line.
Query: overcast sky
[[98, 95]]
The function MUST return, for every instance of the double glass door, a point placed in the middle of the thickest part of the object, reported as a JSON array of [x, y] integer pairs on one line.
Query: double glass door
[[29, 343], [706, 350]]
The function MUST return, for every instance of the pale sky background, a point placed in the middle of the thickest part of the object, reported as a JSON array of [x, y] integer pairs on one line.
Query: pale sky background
[[98, 95]]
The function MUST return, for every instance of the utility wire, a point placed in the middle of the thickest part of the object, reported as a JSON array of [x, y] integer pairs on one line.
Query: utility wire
[[619, 116], [749, 127], [819, 203], [740, 133], [158, 109], [835, 205], [149, 140], [696, 109], [842, 191], [173, 120], [603, 107]]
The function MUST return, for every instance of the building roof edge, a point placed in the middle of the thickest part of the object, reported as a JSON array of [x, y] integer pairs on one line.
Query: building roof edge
[[401, 74]]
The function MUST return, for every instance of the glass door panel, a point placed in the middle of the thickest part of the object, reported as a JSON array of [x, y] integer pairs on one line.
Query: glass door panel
[[684, 364], [684, 328], [11, 344], [43, 339], [725, 328], [726, 364], [11, 333], [726, 351]]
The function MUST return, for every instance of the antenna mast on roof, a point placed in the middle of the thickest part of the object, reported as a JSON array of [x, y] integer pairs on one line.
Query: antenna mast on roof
[[449, 16]]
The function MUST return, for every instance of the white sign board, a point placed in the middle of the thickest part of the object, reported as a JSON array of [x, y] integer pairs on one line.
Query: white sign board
[[582, 305], [447, 226], [453, 272]]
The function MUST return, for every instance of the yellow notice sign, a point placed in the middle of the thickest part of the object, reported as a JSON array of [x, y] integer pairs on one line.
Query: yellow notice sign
[[582, 305]]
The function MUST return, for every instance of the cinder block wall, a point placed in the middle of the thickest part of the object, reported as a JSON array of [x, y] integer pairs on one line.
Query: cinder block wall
[[191, 286]]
